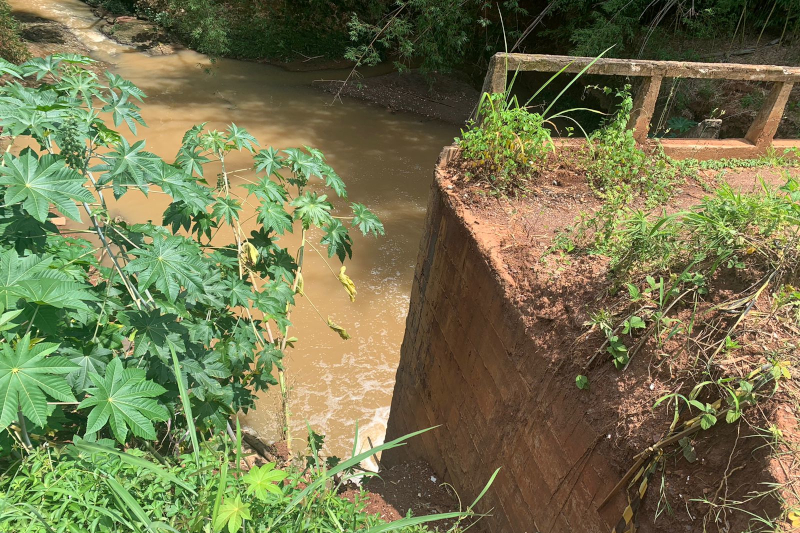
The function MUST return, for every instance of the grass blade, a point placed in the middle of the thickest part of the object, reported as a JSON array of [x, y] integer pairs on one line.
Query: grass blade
[[223, 482], [355, 442], [344, 465], [573, 80], [137, 462], [415, 520], [485, 489], [187, 406], [132, 507]]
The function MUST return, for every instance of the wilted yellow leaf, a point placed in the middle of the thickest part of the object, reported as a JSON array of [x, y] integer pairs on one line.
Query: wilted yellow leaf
[[300, 284], [347, 283], [249, 254], [338, 329]]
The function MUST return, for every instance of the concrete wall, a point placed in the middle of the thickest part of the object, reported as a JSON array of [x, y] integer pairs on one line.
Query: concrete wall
[[468, 365]]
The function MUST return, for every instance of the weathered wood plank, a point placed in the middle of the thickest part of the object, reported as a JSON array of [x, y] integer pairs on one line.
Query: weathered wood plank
[[643, 107], [766, 123], [644, 68]]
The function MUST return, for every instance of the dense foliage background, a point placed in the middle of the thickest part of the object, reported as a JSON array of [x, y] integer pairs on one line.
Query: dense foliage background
[[442, 34]]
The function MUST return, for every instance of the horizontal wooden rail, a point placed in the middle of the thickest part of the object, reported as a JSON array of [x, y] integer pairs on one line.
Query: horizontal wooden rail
[[758, 139]]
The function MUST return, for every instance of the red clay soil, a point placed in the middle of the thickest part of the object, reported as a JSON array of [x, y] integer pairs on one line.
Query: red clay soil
[[557, 295], [394, 492], [407, 487]]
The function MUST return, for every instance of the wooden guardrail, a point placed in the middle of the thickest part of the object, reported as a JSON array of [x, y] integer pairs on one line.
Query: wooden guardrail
[[758, 139]]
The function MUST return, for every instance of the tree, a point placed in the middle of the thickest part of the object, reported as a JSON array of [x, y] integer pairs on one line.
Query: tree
[[131, 324]]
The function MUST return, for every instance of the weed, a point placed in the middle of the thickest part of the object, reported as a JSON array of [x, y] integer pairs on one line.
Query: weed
[[136, 491], [618, 169], [510, 145]]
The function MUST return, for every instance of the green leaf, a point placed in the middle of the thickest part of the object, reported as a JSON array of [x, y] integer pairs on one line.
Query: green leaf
[[191, 160], [28, 376], [182, 187], [122, 398], [732, 416], [31, 278], [130, 165], [274, 217], [338, 240], [92, 359], [262, 480], [6, 67], [268, 161], [118, 82], [154, 331], [123, 110], [303, 165], [240, 138], [268, 190], [169, 264], [634, 322], [312, 209], [698, 405], [707, 420], [634, 292], [40, 183], [227, 209], [41, 66], [80, 83], [582, 382], [232, 513], [366, 220], [689, 452]]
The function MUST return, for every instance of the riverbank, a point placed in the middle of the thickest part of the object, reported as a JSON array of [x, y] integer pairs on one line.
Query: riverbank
[[523, 340], [45, 37], [363, 142], [449, 98]]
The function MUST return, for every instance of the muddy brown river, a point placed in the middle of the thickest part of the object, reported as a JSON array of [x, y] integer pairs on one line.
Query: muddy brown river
[[387, 162]]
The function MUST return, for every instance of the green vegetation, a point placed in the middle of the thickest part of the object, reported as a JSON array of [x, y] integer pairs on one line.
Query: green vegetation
[[11, 46], [509, 145], [686, 292], [142, 491], [153, 336], [167, 288], [439, 35]]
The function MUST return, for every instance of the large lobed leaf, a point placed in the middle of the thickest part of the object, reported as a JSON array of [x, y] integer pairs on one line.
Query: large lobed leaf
[[123, 399], [39, 183], [28, 377], [32, 278], [170, 263]]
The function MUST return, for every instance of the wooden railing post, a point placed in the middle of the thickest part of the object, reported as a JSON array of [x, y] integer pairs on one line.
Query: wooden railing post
[[644, 104], [766, 123]]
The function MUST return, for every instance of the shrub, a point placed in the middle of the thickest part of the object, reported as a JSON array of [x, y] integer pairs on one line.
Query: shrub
[[92, 487], [11, 46], [120, 343], [508, 146]]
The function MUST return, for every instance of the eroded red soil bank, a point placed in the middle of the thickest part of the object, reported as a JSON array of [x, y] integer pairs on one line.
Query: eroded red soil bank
[[494, 340]]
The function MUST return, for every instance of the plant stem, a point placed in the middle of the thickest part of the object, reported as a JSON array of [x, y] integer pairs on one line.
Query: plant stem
[[26, 439], [137, 298], [282, 372]]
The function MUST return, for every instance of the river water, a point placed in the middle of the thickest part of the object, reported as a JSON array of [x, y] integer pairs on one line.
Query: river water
[[387, 162]]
